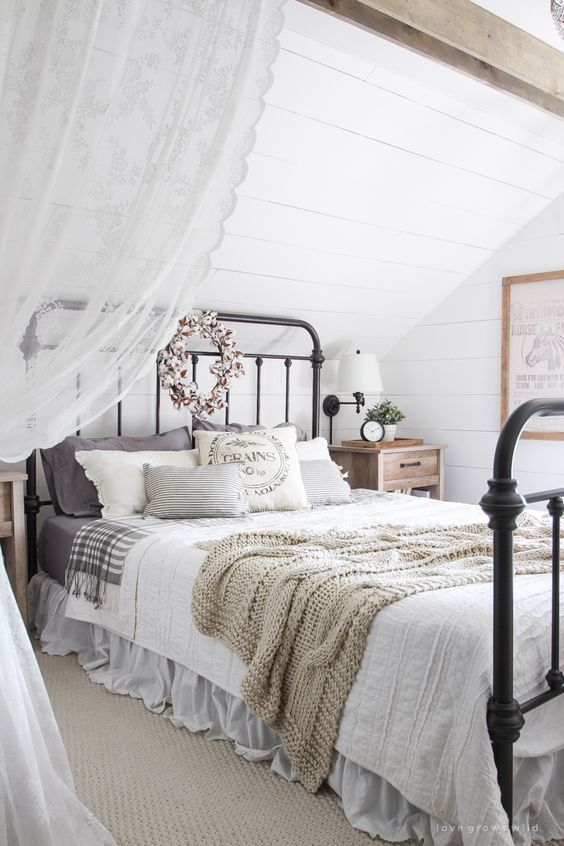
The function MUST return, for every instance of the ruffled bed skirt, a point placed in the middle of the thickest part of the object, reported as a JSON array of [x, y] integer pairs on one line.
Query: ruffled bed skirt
[[369, 802]]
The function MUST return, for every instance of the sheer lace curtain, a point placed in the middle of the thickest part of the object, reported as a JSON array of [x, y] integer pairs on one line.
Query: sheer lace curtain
[[38, 804], [124, 126]]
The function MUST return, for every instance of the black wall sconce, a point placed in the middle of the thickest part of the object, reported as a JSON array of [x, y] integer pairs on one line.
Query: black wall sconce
[[355, 371]]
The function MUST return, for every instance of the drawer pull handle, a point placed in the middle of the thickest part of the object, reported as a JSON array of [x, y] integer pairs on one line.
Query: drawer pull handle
[[412, 464]]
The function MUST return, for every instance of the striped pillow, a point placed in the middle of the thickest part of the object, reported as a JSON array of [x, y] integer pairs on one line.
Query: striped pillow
[[324, 483], [188, 493]]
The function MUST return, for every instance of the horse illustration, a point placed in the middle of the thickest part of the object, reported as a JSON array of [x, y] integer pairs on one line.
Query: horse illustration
[[547, 346]]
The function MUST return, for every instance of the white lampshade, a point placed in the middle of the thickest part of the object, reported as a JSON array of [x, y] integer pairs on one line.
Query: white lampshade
[[359, 372]]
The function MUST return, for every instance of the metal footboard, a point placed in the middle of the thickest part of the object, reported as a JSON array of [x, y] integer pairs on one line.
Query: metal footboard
[[503, 504]]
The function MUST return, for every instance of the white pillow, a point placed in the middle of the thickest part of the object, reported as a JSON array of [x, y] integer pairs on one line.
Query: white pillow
[[314, 450], [118, 476], [273, 479], [324, 483]]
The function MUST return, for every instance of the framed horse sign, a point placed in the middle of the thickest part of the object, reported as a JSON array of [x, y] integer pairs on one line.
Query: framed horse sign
[[532, 355]]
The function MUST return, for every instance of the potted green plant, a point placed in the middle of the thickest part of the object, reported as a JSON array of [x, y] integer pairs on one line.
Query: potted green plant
[[388, 415]]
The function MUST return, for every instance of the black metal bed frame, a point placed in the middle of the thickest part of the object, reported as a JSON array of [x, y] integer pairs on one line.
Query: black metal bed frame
[[32, 502], [503, 504]]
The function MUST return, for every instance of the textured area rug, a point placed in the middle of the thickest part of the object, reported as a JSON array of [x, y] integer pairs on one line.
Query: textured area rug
[[152, 784]]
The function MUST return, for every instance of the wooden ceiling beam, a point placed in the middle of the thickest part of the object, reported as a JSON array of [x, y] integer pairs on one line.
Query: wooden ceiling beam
[[468, 38]]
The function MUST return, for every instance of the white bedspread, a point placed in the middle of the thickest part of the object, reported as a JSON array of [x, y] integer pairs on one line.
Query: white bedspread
[[416, 712]]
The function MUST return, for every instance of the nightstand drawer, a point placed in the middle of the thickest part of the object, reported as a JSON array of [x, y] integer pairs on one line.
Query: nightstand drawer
[[5, 510], [393, 467], [5, 502], [410, 465]]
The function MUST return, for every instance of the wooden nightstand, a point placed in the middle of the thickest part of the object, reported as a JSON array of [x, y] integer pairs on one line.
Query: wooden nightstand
[[393, 468], [12, 534]]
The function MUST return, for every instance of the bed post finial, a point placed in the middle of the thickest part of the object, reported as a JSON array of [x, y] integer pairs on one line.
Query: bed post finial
[[502, 504]]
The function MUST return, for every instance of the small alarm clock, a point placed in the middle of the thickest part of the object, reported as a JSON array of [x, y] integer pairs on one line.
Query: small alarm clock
[[371, 431]]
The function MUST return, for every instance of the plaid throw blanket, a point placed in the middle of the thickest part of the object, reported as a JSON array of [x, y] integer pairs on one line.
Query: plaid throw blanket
[[96, 561]]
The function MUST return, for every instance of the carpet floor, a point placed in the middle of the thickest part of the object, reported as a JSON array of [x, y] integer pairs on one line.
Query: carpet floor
[[152, 784]]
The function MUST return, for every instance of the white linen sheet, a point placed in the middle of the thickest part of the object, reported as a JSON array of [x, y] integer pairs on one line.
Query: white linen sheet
[[416, 712]]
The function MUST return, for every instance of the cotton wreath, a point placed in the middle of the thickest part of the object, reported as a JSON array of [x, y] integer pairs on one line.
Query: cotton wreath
[[175, 370]]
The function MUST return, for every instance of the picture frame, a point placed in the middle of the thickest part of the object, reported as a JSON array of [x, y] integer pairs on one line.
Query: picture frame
[[532, 354]]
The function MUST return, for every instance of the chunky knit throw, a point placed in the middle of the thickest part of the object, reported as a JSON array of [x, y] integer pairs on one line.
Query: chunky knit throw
[[297, 609]]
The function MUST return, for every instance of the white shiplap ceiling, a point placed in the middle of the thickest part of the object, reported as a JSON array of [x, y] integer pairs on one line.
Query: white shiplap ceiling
[[380, 180]]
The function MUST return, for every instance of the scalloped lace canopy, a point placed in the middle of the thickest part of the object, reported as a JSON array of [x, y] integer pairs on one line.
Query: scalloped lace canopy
[[557, 9], [124, 131]]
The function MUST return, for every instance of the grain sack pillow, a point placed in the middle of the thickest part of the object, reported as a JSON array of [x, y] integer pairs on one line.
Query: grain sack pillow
[[118, 476], [183, 493], [324, 483], [272, 476]]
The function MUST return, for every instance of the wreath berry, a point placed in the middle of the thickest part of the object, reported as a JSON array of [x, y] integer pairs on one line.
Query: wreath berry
[[175, 370]]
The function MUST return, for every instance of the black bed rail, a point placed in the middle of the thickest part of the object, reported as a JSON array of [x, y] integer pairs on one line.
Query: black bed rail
[[503, 504], [32, 502]]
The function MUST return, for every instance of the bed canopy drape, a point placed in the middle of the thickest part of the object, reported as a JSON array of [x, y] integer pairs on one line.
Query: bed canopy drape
[[124, 128], [38, 804]]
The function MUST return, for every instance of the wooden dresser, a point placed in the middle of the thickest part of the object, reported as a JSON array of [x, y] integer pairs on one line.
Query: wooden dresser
[[393, 468], [12, 534]]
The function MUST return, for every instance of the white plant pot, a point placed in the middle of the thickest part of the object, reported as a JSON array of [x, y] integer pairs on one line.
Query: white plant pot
[[390, 432]]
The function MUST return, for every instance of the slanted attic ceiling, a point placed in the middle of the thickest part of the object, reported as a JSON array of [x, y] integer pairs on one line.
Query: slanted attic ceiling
[[379, 182]]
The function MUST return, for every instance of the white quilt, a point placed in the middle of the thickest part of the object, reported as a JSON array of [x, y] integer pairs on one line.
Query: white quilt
[[416, 712]]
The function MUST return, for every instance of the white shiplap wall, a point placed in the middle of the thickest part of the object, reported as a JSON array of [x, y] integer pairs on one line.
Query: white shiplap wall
[[446, 373]]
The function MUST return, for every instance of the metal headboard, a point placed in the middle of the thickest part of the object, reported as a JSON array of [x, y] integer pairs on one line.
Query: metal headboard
[[33, 503]]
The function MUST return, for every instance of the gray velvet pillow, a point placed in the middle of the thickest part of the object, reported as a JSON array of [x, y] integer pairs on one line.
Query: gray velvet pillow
[[208, 426], [70, 491]]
